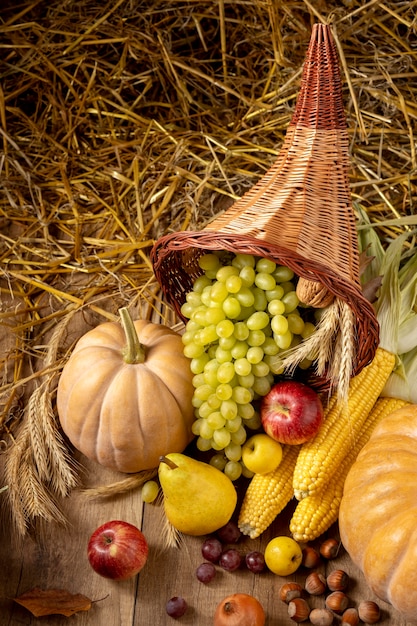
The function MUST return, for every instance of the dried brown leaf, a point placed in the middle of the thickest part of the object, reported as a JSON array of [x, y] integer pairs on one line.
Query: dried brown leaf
[[41, 602]]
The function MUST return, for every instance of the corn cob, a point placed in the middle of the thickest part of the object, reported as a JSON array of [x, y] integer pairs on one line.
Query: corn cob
[[321, 456], [267, 495], [314, 514]]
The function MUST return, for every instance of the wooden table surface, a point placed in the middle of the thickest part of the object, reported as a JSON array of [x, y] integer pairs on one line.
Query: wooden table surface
[[58, 560]]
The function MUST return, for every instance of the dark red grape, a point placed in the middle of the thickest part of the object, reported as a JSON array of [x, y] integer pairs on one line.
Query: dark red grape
[[229, 533], [255, 561], [176, 606], [205, 572], [230, 560], [211, 549]]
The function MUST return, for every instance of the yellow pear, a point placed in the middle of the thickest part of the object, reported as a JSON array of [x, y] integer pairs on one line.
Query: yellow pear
[[198, 498]]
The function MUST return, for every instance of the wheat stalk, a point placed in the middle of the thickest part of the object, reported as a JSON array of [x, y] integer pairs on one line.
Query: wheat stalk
[[121, 486]]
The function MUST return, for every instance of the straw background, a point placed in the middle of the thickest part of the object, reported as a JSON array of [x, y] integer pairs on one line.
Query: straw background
[[124, 121]]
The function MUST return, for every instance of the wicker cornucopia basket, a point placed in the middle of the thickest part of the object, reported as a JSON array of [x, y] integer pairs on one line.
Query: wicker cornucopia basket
[[299, 213]]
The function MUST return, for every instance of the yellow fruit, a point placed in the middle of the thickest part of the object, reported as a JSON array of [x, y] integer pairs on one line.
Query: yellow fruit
[[283, 555]]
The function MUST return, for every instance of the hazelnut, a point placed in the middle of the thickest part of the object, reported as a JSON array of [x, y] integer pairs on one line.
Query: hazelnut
[[315, 584], [369, 612], [289, 591], [350, 618], [298, 610], [329, 549], [337, 601], [321, 617], [311, 558], [338, 580]]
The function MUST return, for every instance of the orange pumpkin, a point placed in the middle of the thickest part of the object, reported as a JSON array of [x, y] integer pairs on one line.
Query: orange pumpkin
[[124, 397], [378, 512]]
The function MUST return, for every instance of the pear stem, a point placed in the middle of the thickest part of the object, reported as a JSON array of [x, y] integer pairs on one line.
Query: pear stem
[[134, 351], [170, 463]]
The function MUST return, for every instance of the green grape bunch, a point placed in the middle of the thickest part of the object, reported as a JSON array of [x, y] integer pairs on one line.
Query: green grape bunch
[[242, 312]]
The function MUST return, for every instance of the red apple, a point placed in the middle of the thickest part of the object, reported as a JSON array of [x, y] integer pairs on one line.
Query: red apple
[[117, 550], [291, 412]]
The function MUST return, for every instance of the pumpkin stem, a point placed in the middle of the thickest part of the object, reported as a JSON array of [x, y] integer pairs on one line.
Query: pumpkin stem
[[134, 352]]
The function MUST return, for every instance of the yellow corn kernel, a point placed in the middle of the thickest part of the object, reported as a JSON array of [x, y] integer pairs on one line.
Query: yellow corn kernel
[[267, 495], [321, 456], [314, 514]]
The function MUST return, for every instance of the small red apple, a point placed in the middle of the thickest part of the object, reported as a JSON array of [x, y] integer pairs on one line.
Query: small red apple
[[291, 412], [117, 550]]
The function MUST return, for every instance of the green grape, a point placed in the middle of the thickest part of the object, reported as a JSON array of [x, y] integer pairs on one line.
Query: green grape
[[225, 271], [254, 354], [198, 380], [215, 315], [254, 422], [283, 274], [204, 445], [196, 425], [216, 421], [242, 367], [192, 350], [218, 461], [225, 328], [187, 309], [248, 275], [269, 346], [193, 298], [227, 343], [265, 281], [228, 409], [218, 292], [261, 386], [256, 338], [234, 424], [260, 369], [266, 266], [222, 355], [199, 315], [243, 260], [274, 363], [274, 294], [209, 261], [239, 349], [246, 411], [233, 470], [206, 432], [245, 297], [198, 364], [295, 323], [231, 306], [222, 437], [224, 391], [196, 402], [233, 284], [284, 340], [241, 395], [260, 299], [200, 283], [188, 336], [203, 392], [291, 301], [150, 491], [308, 330], [239, 436], [233, 452], [206, 335], [246, 381], [205, 409], [288, 286], [257, 320], [225, 372], [214, 401], [241, 331], [279, 324], [246, 472], [276, 307], [206, 297]]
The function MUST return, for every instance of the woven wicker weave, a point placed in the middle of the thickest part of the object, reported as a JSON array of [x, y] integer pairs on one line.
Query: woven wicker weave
[[299, 213]]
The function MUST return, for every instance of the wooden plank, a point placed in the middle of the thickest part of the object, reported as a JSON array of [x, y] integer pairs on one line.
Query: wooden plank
[[58, 559]]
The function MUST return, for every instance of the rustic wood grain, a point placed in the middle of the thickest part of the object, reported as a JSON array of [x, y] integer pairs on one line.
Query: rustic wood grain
[[57, 558]]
